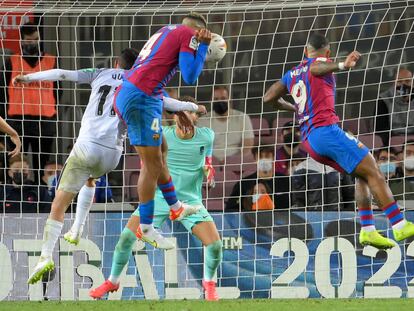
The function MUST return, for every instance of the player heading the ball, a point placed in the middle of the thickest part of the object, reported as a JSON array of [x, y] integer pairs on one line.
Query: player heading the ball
[[139, 103], [96, 152], [312, 86]]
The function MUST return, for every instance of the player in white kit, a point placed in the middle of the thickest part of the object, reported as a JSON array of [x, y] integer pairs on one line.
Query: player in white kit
[[96, 152]]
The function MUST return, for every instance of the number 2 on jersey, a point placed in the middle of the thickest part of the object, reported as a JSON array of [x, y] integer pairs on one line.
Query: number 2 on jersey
[[299, 95], [146, 50], [104, 91]]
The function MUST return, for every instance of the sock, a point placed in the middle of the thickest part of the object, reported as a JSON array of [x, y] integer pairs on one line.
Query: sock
[[366, 216], [146, 212], [51, 234], [212, 259], [121, 254], [168, 191], [85, 199], [394, 215]]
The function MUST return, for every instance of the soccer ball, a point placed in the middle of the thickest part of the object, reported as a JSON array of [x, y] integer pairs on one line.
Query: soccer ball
[[217, 48]]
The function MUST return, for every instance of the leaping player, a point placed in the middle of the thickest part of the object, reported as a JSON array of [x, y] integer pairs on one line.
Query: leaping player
[[96, 152], [139, 103], [312, 86], [188, 159]]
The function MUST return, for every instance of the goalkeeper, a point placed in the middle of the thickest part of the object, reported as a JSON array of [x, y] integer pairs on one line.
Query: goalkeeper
[[189, 158]]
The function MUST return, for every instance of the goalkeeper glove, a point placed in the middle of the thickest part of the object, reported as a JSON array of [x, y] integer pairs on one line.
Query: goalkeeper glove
[[209, 171]]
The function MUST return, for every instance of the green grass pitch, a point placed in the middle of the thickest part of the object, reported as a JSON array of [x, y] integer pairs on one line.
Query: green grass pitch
[[228, 305]]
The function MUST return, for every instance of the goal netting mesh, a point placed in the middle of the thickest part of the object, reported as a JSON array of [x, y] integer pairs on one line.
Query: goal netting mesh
[[307, 246]]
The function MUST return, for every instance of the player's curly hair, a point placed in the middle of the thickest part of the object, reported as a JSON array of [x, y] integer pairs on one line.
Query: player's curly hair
[[188, 98], [198, 17]]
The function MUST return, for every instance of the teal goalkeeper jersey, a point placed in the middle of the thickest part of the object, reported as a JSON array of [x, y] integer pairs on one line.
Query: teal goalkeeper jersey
[[185, 160]]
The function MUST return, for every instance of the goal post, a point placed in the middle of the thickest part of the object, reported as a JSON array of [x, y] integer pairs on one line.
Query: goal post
[[308, 245]]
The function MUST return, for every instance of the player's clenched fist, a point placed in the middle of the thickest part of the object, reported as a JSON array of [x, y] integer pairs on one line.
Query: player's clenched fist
[[352, 59], [19, 79], [209, 172], [202, 110], [204, 36]]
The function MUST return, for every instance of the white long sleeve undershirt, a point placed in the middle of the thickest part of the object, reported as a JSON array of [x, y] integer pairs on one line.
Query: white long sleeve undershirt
[[170, 104], [53, 75]]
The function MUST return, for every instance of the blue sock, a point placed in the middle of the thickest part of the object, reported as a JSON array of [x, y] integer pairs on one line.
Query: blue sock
[[168, 191], [146, 212]]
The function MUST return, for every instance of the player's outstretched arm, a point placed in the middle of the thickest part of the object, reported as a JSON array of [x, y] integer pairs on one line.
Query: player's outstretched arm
[[190, 65], [321, 67], [48, 75], [6, 128], [274, 96], [174, 105]]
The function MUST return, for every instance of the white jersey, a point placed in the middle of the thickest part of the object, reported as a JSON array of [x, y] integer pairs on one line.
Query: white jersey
[[100, 124]]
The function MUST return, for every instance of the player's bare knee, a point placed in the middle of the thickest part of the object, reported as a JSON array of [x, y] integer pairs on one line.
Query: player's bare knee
[[154, 164]]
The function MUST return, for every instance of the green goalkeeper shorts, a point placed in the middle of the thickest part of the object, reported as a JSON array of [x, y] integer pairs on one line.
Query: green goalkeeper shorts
[[162, 212]]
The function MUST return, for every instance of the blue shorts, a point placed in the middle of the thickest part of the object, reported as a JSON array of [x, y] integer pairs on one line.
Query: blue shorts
[[141, 113], [332, 146]]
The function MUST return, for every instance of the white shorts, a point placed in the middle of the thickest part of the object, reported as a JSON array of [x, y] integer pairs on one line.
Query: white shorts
[[87, 160]]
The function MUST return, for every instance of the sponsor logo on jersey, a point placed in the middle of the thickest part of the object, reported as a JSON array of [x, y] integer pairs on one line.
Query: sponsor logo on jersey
[[201, 149], [193, 43], [156, 136]]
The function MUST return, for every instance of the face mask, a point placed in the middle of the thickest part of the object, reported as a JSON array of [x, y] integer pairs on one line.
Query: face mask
[[388, 168], [262, 202], [220, 107], [409, 163], [19, 178], [256, 197], [50, 180], [30, 49], [287, 139], [265, 165], [403, 90]]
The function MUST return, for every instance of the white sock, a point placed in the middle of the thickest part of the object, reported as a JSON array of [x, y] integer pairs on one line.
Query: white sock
[[85, 200], [369, 228], [176, 205], [114, 279], [51, 234], [399, 225], [146, 229]]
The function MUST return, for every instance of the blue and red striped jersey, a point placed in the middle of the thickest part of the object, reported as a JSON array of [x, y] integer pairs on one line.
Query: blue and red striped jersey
[[314, 95]]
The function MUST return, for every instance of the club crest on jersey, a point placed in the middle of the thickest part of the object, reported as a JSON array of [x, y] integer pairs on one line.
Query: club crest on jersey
[[193, 43], [156, 136], [201, 149]]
